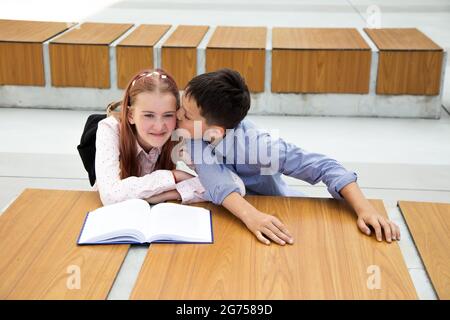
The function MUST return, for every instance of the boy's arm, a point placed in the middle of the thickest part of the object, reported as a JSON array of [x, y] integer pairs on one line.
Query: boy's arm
[[368, 216], [341, 183], [272, 156], [221, 189], [309, 166]]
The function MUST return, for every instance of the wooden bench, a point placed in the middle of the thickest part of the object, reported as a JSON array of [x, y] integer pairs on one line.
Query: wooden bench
[[331, 259], [310, 71], [21, 50], [320, 60], [80, 58], [242, 49], [179, 53], [429, 224], [135, 52], [39, 256], [409, 62]]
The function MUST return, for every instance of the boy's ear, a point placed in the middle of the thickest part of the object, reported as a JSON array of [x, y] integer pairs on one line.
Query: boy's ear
[[130, 116], [214, 133]]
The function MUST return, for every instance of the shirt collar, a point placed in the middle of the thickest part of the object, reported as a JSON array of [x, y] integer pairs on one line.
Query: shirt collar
[[155, 151], [225, 146]]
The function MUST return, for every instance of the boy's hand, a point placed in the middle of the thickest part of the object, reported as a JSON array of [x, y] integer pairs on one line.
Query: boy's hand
[[265, 226], [262, 225], [370, 217]]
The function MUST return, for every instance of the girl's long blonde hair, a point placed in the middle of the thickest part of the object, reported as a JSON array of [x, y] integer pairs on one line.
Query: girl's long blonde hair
[[147, 80]]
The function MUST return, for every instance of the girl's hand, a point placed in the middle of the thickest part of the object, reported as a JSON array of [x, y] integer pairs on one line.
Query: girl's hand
[[181, 175], [369, 217], [265, 226], [165, 196]]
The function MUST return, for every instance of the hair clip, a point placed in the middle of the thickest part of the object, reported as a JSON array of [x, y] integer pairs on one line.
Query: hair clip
[[151, 74], [162, 76]]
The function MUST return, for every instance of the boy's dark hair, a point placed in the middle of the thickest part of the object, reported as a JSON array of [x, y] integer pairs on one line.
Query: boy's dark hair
[[222, 96]]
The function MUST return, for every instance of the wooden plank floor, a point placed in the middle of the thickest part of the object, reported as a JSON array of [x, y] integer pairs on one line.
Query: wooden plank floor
[[429, 224], [39, 256], [331, 259]]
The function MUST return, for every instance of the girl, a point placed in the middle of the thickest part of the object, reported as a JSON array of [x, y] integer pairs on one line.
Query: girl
[[133, 147]]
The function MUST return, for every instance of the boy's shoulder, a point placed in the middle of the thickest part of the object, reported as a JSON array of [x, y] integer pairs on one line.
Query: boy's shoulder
[[246, 124]]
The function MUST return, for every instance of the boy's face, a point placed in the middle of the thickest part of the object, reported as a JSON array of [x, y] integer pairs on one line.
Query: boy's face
[[190, 119]]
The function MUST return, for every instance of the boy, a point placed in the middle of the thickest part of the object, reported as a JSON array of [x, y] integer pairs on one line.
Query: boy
[[218, 101]]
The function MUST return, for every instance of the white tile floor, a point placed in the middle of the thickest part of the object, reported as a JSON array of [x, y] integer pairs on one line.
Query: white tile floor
[[396, 159]]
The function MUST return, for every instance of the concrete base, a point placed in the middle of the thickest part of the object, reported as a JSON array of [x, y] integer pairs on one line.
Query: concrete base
[[357, 105], [263, 103], [353, 105]]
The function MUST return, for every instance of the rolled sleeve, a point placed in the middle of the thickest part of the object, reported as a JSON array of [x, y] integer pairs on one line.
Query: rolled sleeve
[[313, 168], [340, 183], [215, 177], [218, 194]]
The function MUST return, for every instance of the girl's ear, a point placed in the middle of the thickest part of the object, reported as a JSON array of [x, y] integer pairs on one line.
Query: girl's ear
[[130, 116]]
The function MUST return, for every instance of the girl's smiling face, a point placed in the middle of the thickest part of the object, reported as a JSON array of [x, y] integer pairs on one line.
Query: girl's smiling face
[[154, 116]]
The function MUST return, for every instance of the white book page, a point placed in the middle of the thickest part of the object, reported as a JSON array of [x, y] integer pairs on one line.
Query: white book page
[[127, 218], [170, 221]]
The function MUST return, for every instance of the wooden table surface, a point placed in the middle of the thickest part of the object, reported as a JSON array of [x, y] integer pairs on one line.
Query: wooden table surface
[[39, 256], [331, 259], [429, 224]]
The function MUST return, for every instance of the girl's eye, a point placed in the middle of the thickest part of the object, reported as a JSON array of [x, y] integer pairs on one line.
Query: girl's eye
[[149, 115], [169, 115]]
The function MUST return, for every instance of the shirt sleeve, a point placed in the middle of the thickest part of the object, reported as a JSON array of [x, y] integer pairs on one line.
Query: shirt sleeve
[[215, 177], [192, 190], [111, 187], [308, 166]]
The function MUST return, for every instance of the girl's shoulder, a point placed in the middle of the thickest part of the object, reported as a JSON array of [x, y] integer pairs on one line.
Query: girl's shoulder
[[108, 127], [111, 122]]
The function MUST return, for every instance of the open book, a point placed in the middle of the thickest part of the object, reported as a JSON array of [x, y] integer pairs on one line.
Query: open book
[[134, 221]]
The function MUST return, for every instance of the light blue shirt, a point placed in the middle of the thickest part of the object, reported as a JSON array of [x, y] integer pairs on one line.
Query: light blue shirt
[[260, 160]]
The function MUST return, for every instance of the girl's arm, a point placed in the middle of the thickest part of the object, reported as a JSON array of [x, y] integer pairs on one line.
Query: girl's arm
[[192, 191], [165, 196]]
